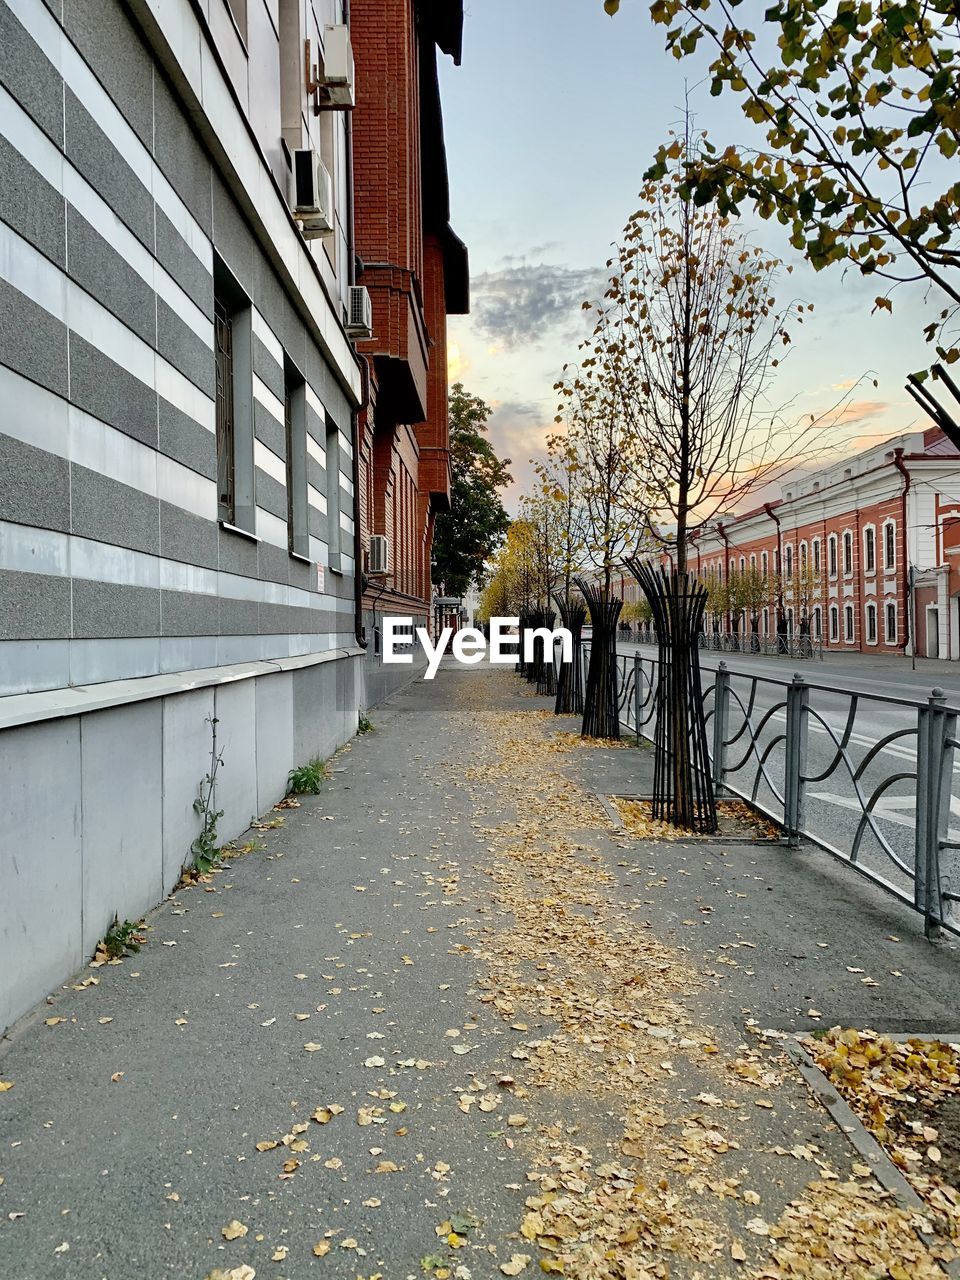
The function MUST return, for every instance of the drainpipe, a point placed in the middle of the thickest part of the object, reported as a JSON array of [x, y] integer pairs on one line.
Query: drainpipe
[[359, 577], [908, 637], [721, 529], [781, 612]]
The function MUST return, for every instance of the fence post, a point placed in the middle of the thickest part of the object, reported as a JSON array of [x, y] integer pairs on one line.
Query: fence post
[[721, 722], [936, 732], [798, 697], [636, 695]]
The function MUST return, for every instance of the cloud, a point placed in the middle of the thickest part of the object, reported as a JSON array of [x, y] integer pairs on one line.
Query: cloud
[[516, 305], [860, 411], [518, 431]]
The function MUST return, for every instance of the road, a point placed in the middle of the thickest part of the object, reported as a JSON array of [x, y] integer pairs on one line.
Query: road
[[887, 693]]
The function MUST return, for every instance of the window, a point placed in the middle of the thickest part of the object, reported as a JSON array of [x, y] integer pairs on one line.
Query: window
[[818, 623], [847, 554], [743, 564], [766, 622], [790, 622], [753, 560], [816, 555], [871, 618], [334, 536], [834, 623], [890, 545], [848, 623], [764, 563], [803, 555], [223, 330], [832, 554], [291, 51], [890, 616], [233, 354], [788, 553], [869, 549], [295, 425], [238, 11]]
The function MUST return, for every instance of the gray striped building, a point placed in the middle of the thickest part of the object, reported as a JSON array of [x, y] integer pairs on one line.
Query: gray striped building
[[178, 402]]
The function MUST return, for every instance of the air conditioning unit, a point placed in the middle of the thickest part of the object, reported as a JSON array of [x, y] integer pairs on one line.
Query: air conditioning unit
[[312, 193], [338, 77], [379, 558], [359, 313]]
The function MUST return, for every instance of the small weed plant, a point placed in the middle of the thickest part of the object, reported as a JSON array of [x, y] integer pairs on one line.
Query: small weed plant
[[121, 939], [307, 779], [364, 724], [204, 848]]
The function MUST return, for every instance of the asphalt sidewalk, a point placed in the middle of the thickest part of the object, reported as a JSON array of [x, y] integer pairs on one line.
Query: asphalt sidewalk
[[446, 1019]]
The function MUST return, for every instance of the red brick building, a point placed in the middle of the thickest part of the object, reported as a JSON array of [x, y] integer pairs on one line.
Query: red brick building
[[860, 526], [415, 269]]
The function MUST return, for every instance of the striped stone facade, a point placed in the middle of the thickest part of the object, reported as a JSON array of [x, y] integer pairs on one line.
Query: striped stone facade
[[178, 405]]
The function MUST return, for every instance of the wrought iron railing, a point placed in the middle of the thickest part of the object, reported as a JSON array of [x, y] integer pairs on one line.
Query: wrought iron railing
[[791, 645], [868, 778]]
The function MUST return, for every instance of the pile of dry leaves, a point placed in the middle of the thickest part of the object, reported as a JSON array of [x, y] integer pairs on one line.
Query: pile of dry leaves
[[905, 1092]]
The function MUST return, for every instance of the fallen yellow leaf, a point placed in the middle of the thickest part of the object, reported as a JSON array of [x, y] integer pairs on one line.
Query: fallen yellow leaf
[[518, 1262]]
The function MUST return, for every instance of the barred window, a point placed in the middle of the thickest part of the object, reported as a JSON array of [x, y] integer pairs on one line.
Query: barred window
[[223, 331]]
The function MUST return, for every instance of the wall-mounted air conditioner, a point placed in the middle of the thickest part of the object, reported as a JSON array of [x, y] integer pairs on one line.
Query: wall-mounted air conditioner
[[379, 558], [338, 76], [312, 197], [359, 312]]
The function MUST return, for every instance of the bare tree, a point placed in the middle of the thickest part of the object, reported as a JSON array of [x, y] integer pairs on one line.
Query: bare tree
[[686, 344]]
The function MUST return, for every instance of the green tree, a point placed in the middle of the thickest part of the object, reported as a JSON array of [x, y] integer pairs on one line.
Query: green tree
[[753, 596], [860, 104], [467, 535]]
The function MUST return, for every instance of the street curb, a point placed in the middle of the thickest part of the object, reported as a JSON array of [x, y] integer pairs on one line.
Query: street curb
[[863, 1142]]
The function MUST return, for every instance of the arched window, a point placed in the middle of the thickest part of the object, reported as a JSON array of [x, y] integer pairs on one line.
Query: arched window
[[818, 623], [890, 622], [816, 555], [832, 554], [847, 554], [869, 549], [788, 555], [848, 623], [890, 545], [871, 620], [764, 563], [834, 622]]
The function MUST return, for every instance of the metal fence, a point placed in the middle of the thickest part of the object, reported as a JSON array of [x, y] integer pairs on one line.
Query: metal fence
[[866, 777], [791, 645]]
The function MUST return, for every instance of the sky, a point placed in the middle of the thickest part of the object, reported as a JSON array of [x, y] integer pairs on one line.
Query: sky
[[550, 121]]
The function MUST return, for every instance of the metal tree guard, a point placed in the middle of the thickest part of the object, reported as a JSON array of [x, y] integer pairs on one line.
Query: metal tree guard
[[546, 675], [682, 786], [573, 614], [601, 717], [522, 630]]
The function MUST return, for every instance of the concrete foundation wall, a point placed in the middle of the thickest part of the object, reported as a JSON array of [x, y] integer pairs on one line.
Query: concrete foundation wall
[[96, 810]]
